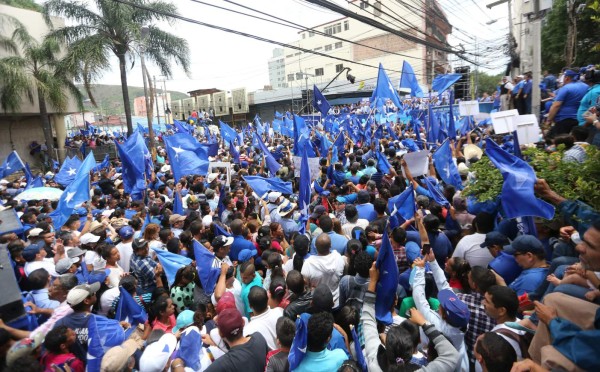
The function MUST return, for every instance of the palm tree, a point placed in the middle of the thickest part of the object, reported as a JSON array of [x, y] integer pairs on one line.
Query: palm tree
[[31, 68], [117, 28]]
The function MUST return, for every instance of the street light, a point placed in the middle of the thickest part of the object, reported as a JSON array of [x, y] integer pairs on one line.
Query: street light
[[351, 78]]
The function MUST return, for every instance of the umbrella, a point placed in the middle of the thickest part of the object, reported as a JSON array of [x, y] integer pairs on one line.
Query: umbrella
[[39, 193]]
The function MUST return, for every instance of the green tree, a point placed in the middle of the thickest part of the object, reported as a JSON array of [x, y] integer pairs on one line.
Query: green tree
[[487, 83], [115, 28], [32, 69]]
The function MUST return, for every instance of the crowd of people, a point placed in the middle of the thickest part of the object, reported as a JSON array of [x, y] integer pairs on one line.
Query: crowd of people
[[238, 281]]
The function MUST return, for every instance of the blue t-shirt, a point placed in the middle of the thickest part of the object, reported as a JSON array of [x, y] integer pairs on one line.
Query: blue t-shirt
[[590, 99], [337, 340], [529, 280], [570, 95]]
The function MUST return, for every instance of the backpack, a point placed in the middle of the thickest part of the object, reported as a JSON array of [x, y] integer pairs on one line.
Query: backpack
[[356, 295], [523, 340]]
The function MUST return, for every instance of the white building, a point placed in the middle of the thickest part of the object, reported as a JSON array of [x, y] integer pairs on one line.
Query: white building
[[303, 69]]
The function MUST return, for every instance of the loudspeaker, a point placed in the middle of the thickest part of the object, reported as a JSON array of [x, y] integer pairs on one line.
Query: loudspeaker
[[11, 302]]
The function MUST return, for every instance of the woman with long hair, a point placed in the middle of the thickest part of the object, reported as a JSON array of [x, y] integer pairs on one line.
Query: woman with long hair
[[182, 291]]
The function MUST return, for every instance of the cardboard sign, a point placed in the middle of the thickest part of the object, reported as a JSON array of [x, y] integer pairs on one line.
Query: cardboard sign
[[468, 108], [503, 121], [528, 130], [313, 165], [418, 163]]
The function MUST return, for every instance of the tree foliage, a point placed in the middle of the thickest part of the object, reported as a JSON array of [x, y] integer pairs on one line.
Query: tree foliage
[[23, 4], [487, 83], [553, 36], [571, 180], [117, 29]]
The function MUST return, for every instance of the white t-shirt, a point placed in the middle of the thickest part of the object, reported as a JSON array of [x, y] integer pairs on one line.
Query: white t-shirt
[[115, 276], [469, 248], [265, 324], [108, 297], [236, 290], [46, 263], [125, 251], [325, 269], [94, 259]]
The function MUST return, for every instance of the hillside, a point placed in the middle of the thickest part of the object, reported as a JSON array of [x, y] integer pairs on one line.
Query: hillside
[[110, 100]]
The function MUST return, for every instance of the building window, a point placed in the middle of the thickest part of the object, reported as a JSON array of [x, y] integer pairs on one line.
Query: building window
[[364, 4], [289, 56], [319, 72], [311, 33], [338, 45], [290, 77], [318, 48], [297, 54], [333, 29], [377, 9], [303, 35], [299, 75], [328, 47], [346, 25], [339, 67]]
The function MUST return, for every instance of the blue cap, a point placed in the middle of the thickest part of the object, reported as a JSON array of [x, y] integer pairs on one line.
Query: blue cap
[[184, 319], [246, 254], [126, 232], [525, 244], [98, 276], [506, 266], [81, 211], [457, 312], [494, 238], [31, 251]]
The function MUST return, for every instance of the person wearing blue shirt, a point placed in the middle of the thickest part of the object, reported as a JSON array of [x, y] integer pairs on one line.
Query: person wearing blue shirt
[[318, 357], [365, 208], [239, 242], [338, 242], [516, 92], [530, 255], [589, 100], [526, 94], [563, 112]]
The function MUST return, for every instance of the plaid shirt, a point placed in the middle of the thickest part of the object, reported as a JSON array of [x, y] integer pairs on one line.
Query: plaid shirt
[[479, 322], [143, 269], [401, 259]]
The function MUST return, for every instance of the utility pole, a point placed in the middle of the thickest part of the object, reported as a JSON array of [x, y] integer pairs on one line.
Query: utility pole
[[157, 108]]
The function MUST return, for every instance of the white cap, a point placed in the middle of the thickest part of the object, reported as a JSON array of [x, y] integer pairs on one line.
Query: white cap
[[81, 292], [273, 196], [157, 354], [165, 168], [88, 238], [211, 177], [34, 232], [207, 220]]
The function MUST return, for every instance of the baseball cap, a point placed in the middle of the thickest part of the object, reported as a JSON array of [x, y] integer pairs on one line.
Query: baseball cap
[[273, 196], [98, 276], [246, 254], [79, 293], [341, 199], [126, 232], [23, 348], [31, 251], [174, 218], [227, 301], [75, 252], [230, 323], [157, 354], [525, 244], [42, 217], [88, 238], [494, 238], [202, 198], [35, 232], [221, 241], [211, 177], [571, 73], [457, 311], [64, 264], [184, 319], [139, 243], [318, 212]]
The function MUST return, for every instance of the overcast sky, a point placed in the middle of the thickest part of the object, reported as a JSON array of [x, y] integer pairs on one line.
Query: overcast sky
[[227, 61]]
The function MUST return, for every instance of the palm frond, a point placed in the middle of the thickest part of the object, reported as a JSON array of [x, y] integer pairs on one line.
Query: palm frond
[[15, 83], [163, 46], [72, 10], [8, 45]]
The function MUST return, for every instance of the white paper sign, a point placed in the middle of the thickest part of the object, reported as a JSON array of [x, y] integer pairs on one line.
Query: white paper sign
[[528, 130], [418, 163], [503, 121], [468, 108], [220, 164], [313, 165]]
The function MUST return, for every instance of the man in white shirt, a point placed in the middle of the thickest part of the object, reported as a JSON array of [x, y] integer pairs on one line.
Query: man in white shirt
[[35, 255], [470, 246], [325, 267], [125, 250], [264, 319]]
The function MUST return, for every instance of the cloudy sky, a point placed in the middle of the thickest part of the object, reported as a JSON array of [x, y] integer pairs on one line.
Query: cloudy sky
[[227, 61]]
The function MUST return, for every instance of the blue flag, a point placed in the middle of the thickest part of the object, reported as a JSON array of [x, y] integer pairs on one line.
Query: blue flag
[[409, 80], [32, 181], [104, 164], [301, 137], [130, 311], [228, 133], [435, 192], [177, 203], [103, 333], [220, 205], [262, 185], [272, 164], [384, 90], [388, 280], [304, 191], [320, 102], [190, 345], [445, 166], [220, 231], [76, 193], [443, 82], [260, 129], [67, 172], [451, 124], [338, 148], [212, 149], [171, 262], [383, 164], [132, 163], [278, 115], [402, 206], [518, 197], [235, 154], [298, 348], [180, 127], [207, 274], [360, 357], [186, 156]]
